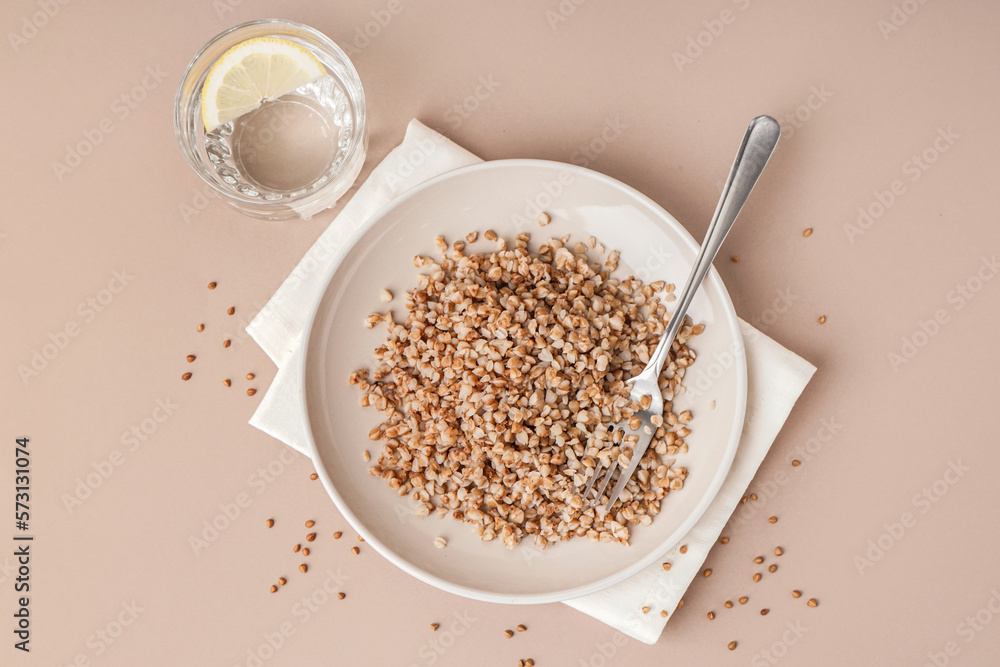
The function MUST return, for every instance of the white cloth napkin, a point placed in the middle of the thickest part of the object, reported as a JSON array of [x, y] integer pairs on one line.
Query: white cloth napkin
[[776, 378]]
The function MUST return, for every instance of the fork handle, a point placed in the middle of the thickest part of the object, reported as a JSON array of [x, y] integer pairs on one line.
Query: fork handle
[[758, 143]]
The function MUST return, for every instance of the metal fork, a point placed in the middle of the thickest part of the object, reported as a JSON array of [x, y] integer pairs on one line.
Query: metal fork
[[758, 143]]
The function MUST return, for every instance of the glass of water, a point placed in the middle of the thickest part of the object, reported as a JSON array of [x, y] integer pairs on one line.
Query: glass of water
[[290, 157]]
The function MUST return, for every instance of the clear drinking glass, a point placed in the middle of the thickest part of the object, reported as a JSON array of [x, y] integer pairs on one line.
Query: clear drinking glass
[[291, 157]]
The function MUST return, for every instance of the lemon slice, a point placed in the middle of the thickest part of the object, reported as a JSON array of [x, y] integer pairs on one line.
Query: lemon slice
[[253, 71]]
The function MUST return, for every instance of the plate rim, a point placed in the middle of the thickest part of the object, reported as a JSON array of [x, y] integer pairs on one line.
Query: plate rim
[[732, 443]]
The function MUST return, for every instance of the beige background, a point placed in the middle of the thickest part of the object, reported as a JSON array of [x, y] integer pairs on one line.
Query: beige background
[[564, 74]]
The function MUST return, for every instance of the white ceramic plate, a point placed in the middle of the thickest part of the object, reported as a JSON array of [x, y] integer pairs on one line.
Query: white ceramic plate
[[505, 195]]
